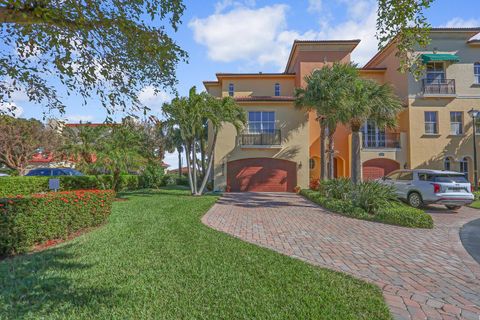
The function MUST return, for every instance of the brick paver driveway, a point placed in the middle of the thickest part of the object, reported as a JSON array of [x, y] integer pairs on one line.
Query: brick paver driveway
[[424, 274]]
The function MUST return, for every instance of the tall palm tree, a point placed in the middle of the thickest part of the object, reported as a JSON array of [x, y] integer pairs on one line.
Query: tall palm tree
[[368, 100], [325, 92]]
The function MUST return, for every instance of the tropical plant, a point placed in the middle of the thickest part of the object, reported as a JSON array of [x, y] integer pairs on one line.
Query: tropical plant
[[21, 139], [325, 92], [105, 48], [188, 115], [368, 100]]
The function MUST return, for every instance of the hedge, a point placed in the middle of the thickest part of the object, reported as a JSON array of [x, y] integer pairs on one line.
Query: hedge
[[26, 221], [396, 213], [12, 186]]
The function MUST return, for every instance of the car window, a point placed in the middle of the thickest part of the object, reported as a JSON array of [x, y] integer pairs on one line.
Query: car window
[[57, 172], [425, 177], [71, 172], [392, 176], [449, 178], [42, 172], [406, 176]]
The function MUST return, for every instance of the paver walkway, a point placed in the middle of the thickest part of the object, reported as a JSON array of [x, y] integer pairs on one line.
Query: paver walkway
[[424, 274]]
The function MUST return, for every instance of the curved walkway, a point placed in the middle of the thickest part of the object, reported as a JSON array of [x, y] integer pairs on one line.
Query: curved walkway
[[424, 274]]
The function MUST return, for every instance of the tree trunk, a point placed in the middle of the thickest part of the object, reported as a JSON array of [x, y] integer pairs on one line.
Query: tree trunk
[[194, 160], [209, 167], [323, 160], [356, 166], [331, 153], [202, 156], [179, 164], [116, 180], [189, 167]]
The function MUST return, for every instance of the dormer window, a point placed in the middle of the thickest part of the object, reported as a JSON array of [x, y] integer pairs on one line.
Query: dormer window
[[231, 89], [476, 72], [277, 89]]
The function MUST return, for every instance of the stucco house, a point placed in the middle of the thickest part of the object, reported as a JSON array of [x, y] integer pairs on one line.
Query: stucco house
[[279, 147]]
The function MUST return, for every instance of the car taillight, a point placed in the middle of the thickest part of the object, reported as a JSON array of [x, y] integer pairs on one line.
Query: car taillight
[[436, 188]]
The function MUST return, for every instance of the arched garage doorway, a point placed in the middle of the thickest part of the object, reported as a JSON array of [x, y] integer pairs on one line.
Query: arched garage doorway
[[377, 168], [261, 175]]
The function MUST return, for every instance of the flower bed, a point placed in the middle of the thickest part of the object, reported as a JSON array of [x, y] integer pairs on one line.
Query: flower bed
[[26, 221]]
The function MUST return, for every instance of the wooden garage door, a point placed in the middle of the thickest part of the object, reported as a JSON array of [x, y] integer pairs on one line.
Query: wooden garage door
[[377, 168], [261, 175]]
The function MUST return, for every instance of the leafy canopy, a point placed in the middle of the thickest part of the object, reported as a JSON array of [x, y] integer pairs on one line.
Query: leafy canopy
[[109, 49]]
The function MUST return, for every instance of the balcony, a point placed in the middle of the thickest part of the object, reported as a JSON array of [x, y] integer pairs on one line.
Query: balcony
[[438, 87], [254, 139], [387, 140]]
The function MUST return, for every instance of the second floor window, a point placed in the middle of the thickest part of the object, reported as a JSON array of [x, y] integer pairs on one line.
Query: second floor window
[[456, 123], [431, 122], [435, 72], [277, 89], [476, 71], [373, 136], [231, 89], [261, 121]]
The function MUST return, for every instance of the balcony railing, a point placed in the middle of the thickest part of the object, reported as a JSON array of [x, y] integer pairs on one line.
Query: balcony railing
[[270, 138], [388, 140], [439, 86]]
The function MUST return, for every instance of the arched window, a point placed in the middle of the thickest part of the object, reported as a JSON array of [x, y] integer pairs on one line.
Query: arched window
[[231, 89], [312, 163], [464, 166], [476, 72], [277, 89], [447, 164]]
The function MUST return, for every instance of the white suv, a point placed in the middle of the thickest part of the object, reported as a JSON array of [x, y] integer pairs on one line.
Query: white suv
[[421, 187]]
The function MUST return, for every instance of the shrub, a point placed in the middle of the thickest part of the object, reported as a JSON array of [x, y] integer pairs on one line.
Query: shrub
[[26, 221], [152, 177], [394, 212], [337, 188], [371, 196], [29, 185], [175, 180]]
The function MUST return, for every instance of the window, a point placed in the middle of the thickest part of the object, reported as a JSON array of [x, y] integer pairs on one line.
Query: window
[[431, 122], [373, 137], [393, 176], [312, 163], [456, 123], [435, 72], [277, 89], [406, 176], [476, 72], [231, 89], [447, 164], [261, 121], [464, 166]]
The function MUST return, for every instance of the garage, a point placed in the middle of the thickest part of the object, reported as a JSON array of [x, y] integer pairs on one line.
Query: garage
[[261, 175], [377, 168]]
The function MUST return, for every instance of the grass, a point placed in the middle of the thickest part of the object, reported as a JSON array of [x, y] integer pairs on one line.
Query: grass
[[475, 204], [154, 259]]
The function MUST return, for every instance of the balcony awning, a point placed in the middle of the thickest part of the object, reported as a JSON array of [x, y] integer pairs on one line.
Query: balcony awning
[[431, 57]]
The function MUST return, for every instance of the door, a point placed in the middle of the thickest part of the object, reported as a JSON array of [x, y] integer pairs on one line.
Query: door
[[261, 175]]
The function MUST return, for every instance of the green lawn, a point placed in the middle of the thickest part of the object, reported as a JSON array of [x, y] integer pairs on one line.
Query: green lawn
[[475, 204], [155, 259]]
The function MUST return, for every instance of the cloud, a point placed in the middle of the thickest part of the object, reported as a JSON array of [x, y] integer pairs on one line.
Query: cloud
[[315, 5], [153, 100], [462, 23], [11, 108], [260, 36]]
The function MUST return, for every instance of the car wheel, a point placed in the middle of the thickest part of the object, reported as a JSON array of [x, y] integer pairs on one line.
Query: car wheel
[[454, 208], [415, 200]]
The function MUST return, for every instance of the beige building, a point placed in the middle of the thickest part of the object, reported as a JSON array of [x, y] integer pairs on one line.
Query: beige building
[[279, 148]]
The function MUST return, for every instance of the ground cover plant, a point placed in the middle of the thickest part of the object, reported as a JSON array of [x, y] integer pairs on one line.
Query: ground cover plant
[[367, 200], [155, 259]]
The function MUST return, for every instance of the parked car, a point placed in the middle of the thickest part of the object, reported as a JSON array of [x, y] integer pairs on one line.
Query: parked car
[[422, 187], [54, 172]]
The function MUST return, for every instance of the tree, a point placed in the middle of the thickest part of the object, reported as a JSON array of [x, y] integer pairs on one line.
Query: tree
[[21, 139], [174, 143], [325, 93], [188, 114], [105, 48], [404, 22], [368, 101]]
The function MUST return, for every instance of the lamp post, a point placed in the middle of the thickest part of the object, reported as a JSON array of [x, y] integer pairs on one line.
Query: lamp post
[[474, 114]]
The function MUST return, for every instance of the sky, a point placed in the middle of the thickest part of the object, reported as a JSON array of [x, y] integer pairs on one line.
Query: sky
[[254, 36]]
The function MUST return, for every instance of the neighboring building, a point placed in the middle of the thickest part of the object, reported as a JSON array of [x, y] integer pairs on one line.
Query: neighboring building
[[279, 148]]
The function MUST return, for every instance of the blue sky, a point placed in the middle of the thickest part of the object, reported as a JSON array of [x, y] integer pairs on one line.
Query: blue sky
[[253, 36]]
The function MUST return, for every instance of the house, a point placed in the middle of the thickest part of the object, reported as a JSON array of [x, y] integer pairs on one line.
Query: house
[[279, 147]]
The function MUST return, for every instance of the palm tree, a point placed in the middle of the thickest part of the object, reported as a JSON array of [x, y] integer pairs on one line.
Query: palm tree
[[369, 100], [174, 142], [325, 92]]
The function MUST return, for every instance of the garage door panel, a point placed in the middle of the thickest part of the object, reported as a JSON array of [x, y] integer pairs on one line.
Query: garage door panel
[[377, 168], [261, 175]]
